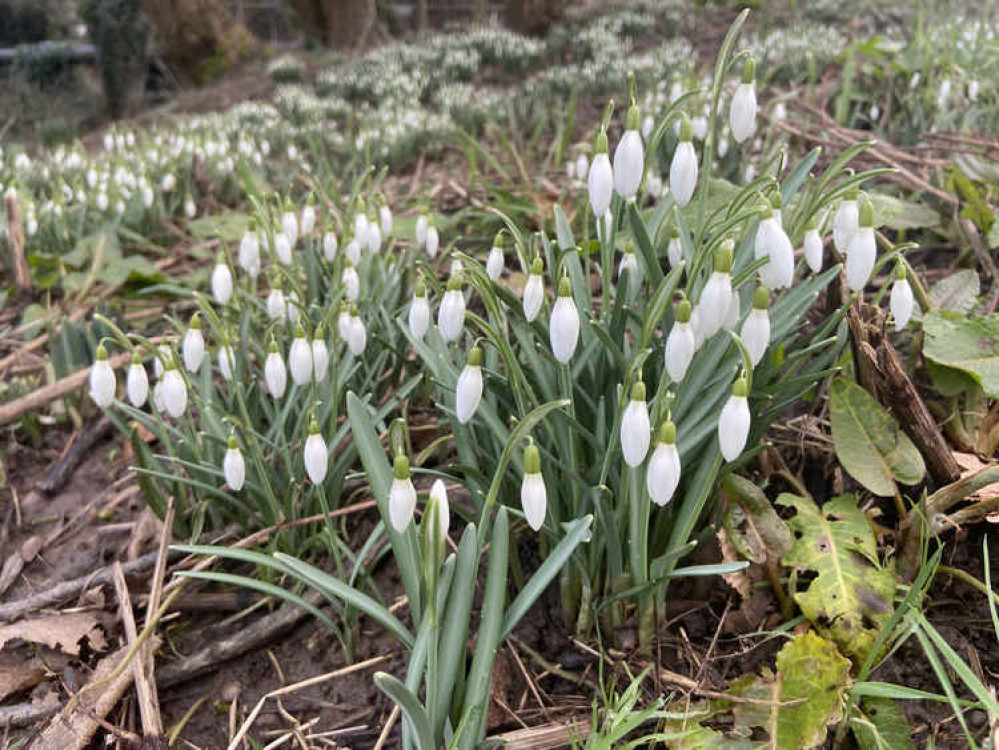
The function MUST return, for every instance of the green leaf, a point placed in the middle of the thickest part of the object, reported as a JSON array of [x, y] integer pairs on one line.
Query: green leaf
[[947, 381], [408, 702], [882, 726], [966, 344], [228, 226], [895, 213], [957, 292], [852, 594], [751, 523], [869, 442]]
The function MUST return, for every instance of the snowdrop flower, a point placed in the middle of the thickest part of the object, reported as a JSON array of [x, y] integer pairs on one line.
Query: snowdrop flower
[[755, 333], [343, 321], [863, 250], [564, 324], [733, 423], [422, 223], [373, 238], [456, 267], [137, 382], [282, 248], [813, 246], [275, 374], [289, 226], [742, 113], [773, 243], [433, 240], [351, 282], [875, 112], [451, 314], [158, 397], [221, 281], [442, 511], [419, 312], [780, 111], [102, 202], [330, 245], [227, 361], [277, 307], [402, 495], [600, 181], [629, 263], [582, 166], [717, 293], [534, 290], [683, 168], [102, 380], [174, 390], [629, 157], [300, 358], [944, 94], [315, 454], [636, 429], [675, 90], [901, 298], [722, 147], [732, 314], [468, 393], [973, 91], [533, 494], [674, 251], [570, 170], [193, 346], [164, 354], [233, 466], [663, 474], [168, 183], [385, 218], [249, 250], [361, 219], [308, 217], [605, 227], [320, 355], [357, 339], [700, 127], [353, 251], [494, 263], [190, 210], [845, 222], [914, 81], [680, 344], [654, 186]]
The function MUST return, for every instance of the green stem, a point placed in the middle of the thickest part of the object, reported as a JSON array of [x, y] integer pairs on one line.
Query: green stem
[[638, 552], [969, 579]]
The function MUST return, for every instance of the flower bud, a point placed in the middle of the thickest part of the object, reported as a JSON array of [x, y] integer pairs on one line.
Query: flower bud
[[221, 281], [742, 113], [137, 382], [102, 379], [863, 249], [451, 313], [663, 475], [351, 282], [233, 466], [433, 240], [419, 312], [683, 168], [901, 299], [316, 455], [275, 374], [468, 393], [813, 247], [330, 245], [193, 346], [733, 423], [402, 495], [494, 264], [282, 248], [755, 332], [674, 251], [564, 324], [534, 291], [320, 355], [636, 429], [600, 181], [680, 344], [629, 158], [533, 494], [357, 340], [300, 358], [174, 391]]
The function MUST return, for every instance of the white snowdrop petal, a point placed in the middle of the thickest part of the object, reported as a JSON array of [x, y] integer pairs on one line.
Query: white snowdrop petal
[[742, 113], [137, 385], [316, 458], [534, 500], [534, 295], [901, 303], [680, 347], [813, 250], [275, 375], [755, 334], [600, 184], [629, 163], [636, 432], [234, 469], [102, 383], [683, 173], [402, 504], [860, 258], [663, 475], [733, 427], [564, 330], [193, 349], [174, 392], [300, 361], [468, 393], [451, 315]]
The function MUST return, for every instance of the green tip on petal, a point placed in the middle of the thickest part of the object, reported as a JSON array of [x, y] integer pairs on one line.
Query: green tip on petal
[[852, 194], [674, 232], [313, 427], [400, 466], [633, 119], [196, 321], [564, 287], [638, 391], [686, 128], [537, 266], [171, 364], [866, 213], [353, 309], [299, 331], [532, 459], [761, 298], [600, 143], [233, 444], [776, 199], [454, 284], [683, 311], [749, 70], [740, 388], [667, 433], [251, 225], [311, 200], [317, 335], [421, 289], [723, 258], [273, 348], [812, 223], [102, 353], [475, 357]]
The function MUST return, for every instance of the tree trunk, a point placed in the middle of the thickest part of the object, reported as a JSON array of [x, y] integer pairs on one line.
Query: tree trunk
[[342, 23], [199, 38], [533, 16]]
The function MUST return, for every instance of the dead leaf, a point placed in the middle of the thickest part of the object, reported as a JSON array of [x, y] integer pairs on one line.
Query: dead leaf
[[63, 631], [31, 547], [18, 674], [11, 570]]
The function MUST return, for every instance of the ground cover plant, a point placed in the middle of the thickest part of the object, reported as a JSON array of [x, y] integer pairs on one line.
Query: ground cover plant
[[612, 389]]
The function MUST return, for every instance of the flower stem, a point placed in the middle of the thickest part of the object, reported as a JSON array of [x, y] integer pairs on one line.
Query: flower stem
[[638, 552]]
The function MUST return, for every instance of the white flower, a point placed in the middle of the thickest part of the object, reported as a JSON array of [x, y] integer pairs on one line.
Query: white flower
[[330, 246], [300, 358], [282, 248], [233, 466], [193, 346], [190, 210], [357, 339], [663, 474], [863, 250], [456, 267], [742, 113], [732, 314], [102, 201], [351, 283], [373, 238], [605, 227], [683, 168], [102, 380], [320, 356], [813, 249], [308, 218], [343, 321], [147, 196], [773, 243], [582, 166], [973, 91], [158, 397], [249, 251], [755, 333], [845, 223], [629, 263], [534, 291], [168, 183], [360, 222], [443, 511], [174, 391], [433, 241], [275, 374], [636, 429], [164, 355], [468, 393], [733, 423], [901, 301], [419, 313], [533, 494], [494, 263], [137, 382], [600, 181], [648, 125], [564, 324], [451, 313], [277, 307], [422, 222], [629, 158], [700, 127], [716, 295], [385, 217], [674, 251], [654, 186], [353, 251], [289, 227], [944, 94], [402, 495], [227, 361], [680, 344], [221, 282], [316, 455]]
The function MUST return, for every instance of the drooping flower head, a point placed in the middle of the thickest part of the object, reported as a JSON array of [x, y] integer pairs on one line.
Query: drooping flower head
[[533, 494], [534, 290], [663, 475], [468, 393], [636, 429], [755, 332], [102, 379], [683, 168], [742, 113], [402, 495], [564, 324]]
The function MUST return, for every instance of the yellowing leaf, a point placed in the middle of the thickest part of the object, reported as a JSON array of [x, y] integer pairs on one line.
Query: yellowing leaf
[[852, 594], [868, 441], [882, 726]]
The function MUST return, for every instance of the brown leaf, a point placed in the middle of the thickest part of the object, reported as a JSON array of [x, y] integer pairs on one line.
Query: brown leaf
[[18, 675], [63, 631]]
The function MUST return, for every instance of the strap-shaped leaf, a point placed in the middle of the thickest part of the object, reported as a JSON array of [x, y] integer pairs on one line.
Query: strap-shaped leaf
[[410, 706]]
